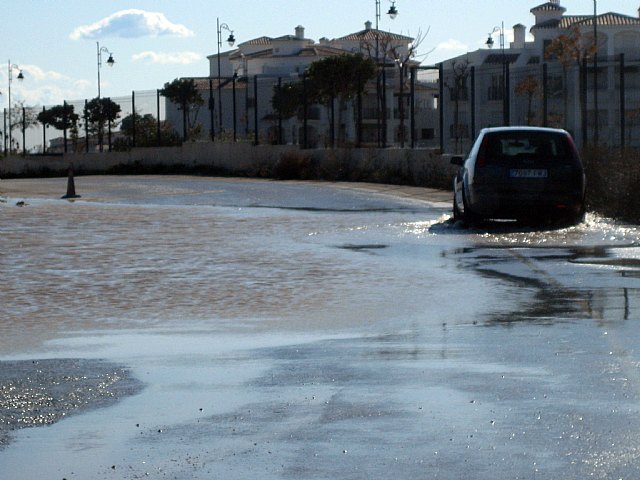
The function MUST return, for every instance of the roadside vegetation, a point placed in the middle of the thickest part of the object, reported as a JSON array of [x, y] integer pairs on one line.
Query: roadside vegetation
[[613, 181]]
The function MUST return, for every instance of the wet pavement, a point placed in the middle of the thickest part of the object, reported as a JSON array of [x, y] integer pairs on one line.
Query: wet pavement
[[307, 330]]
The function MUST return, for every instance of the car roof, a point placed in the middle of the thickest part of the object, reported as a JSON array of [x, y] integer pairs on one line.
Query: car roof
[[524, 128]]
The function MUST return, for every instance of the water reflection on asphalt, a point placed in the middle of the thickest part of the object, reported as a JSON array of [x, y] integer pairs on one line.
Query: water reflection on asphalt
[[306, 331]]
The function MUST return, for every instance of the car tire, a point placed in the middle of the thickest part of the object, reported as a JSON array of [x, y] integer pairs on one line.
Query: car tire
[[457, 214], [469, 217]]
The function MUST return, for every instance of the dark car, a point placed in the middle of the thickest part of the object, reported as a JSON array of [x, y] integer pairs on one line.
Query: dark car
[[520, 173]]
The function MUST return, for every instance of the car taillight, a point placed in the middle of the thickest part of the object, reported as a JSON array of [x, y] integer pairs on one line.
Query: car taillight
[[481, 159]]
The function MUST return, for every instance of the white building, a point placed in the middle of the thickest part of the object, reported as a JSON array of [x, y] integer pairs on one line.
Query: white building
[[519, 83], [242, 82]]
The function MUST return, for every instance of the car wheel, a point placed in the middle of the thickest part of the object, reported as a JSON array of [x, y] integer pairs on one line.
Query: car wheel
[[457, 214], [469, 216]]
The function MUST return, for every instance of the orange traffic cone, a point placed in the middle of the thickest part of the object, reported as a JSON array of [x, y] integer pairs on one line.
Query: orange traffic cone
[[71, 187]]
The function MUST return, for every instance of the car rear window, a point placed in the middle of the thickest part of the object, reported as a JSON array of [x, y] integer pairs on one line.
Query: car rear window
[[532, 146]]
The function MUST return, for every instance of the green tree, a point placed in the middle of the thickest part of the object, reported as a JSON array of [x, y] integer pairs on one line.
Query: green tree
[[287, 98], [146, 132], [341, 77], [98, 113], [60, 117], [184, 93]]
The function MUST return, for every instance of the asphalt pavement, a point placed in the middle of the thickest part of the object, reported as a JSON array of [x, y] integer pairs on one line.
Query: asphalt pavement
[[188, 327]]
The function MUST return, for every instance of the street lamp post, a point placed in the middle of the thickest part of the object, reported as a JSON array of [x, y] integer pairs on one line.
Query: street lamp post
[[231, 41], [505, 110], [595, 73], [110, 61], [11, 67], [393, 13]]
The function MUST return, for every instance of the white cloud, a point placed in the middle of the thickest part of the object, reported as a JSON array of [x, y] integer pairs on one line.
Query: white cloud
[[453, 45], [38, 74], [50, 94], [131, 23], [162, 58], [43, 87]]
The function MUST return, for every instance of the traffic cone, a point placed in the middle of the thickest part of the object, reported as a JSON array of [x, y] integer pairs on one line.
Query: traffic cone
[[71, 186]]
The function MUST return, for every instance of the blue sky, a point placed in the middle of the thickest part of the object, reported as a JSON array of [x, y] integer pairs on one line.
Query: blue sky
[[153, 42]]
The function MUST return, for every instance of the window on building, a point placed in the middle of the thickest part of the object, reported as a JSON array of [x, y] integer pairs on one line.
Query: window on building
[[459, 92], [631, 118], [631, 77], [427, 134], [627, 43], [314, 113], [601, 75], [555, 86], [402, 133], [496, 88], [602, 118], [460, 130]]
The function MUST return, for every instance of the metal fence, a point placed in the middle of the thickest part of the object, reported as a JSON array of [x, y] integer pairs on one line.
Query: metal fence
[[388, 112], [599, 103], [22, 131]]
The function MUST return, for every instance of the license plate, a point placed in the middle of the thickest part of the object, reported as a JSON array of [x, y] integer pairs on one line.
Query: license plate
[[528, 173]]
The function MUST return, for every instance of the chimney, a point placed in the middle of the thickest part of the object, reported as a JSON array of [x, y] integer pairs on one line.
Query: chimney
[[367, 25], [519, 32], [300, 32]]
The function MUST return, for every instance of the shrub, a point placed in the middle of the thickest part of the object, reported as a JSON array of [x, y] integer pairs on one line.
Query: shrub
[[293, 166], [613, 177]]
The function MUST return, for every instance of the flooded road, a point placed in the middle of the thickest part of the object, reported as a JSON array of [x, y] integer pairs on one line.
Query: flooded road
[[309, 330]]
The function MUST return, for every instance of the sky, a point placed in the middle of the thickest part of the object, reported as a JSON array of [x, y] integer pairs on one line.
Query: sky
[[55, 42]]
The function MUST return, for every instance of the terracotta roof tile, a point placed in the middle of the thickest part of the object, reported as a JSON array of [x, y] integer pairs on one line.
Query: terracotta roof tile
[[610, 19], [308, 51], [371, 34], [605, 19], [258, 41], [548, 7]]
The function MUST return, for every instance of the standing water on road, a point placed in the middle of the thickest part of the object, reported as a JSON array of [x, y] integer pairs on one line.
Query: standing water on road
[[307, 330], [241, 256]]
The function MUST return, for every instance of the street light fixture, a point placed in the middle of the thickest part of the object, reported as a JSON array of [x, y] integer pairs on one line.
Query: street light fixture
[[490, 41], [393, 11], [110, 61], [231, 40], [20, 77]]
